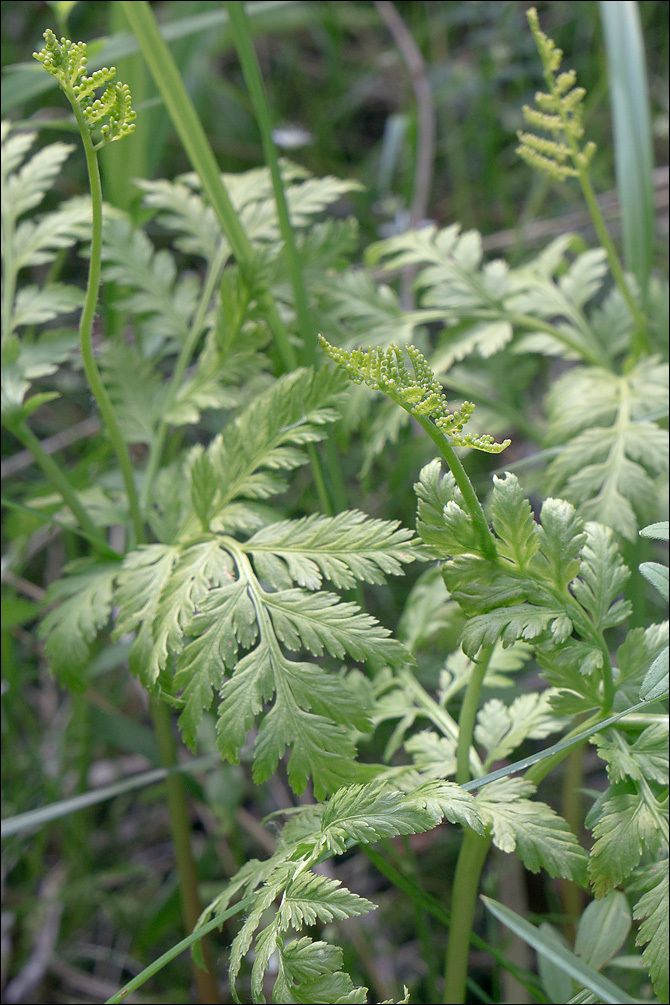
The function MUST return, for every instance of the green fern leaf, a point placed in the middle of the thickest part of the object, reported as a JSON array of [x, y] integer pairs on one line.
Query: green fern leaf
[[611, 456], [345, 549], [311, 972], [84, 606], [513, 523], [310, 898], [24, 361], [652, 909], [38, 242], [501, 729], [539, 836], [602, 576], [625, 822], [25, 189], [646, 757], [265, 439], [167, 302], [34, 305]]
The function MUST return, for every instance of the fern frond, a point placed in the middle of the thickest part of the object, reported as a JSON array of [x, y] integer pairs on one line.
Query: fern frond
[[345, 549], [419, 393], [109, 115], [24, 189], [248, 459], [182, 210], [559, 112], [612, 452], [155, 293]]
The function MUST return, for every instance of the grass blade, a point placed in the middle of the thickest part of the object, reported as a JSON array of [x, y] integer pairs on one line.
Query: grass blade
[[559, 955], [34, 819], [631, 120]]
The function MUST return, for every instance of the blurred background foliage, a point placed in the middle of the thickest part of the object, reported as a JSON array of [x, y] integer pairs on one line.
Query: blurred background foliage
[[342, 97]]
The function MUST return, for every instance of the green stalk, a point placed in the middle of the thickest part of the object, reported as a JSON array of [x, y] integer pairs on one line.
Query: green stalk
[[254, 81], [181, 838], [59, 480], [86, 323], [640, 338], [641, 346], [474, 507], [469, 867], [189, 128], [466, 719], [239, 23], [428, 903]]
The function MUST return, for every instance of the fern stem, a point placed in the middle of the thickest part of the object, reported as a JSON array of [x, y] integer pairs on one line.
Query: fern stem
[[466, 719], [607, 676], [183, 360], [471, 858], [427, 902], [252, 75], [86, 323], [571, 810], [641, 345], [189, 128], [474, 507], [254, 81], [181, 838], [59, 480]]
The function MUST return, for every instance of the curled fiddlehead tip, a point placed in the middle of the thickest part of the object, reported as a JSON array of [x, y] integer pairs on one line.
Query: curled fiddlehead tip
[[559, 113], [419, 392], [112, 111]]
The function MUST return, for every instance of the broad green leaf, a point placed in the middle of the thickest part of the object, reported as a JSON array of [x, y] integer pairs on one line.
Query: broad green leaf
[[657, 575], [633, 137], [655, 684], [561, 956], [556, 983], [602, 929]]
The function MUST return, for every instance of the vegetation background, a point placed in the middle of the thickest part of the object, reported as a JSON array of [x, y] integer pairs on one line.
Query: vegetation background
[[92, 898]]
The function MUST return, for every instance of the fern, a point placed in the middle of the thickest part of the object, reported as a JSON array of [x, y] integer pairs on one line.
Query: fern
[[615, 452], [419, 394], [355, 814], [27, 243], [212, 612], [559, 113]]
